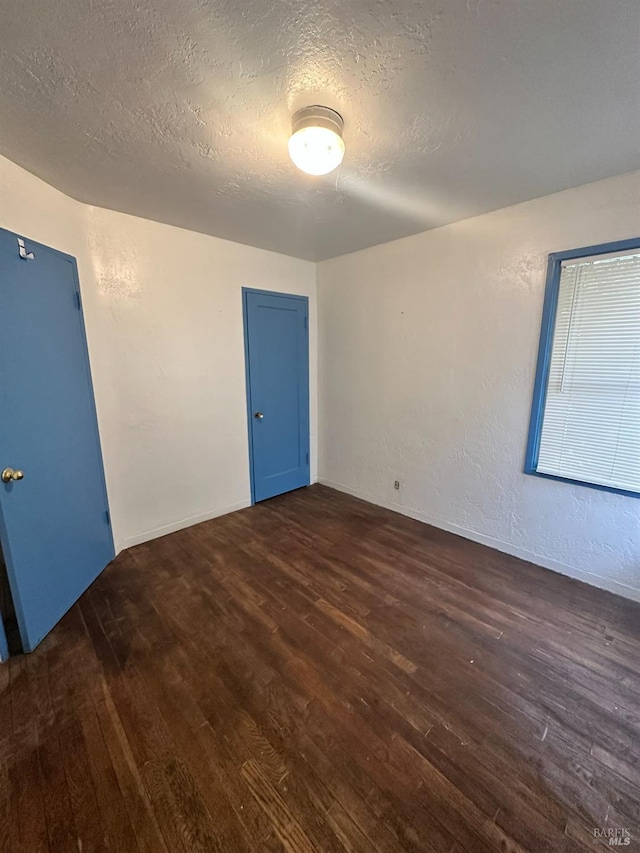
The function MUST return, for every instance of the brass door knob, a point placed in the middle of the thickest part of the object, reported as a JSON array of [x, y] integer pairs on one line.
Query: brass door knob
[[8, 475]]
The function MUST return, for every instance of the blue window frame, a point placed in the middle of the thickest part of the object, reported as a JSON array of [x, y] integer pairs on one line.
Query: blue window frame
[[552, 291]]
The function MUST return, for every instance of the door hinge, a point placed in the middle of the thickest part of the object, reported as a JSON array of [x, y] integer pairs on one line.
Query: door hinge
[[306, 322], [307, 457], [78, 300], [22, 251], [107, 516]]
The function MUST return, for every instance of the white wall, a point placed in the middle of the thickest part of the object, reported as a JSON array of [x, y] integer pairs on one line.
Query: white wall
[[428, 348], [163, 314]]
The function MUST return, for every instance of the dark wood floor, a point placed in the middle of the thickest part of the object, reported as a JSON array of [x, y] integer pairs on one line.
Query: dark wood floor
[[316, 673]]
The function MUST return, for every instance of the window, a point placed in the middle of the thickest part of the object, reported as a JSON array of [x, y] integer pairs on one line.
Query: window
[[585, 422]]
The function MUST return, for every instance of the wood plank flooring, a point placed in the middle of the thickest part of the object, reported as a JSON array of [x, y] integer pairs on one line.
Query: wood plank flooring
[[316, 673]]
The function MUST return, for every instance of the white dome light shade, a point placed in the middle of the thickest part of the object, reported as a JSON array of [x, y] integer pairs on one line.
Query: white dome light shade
[[316, 145], [316, 150]]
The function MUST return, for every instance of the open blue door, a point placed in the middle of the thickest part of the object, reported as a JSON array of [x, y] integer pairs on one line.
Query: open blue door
[[277, 362], [4, 648], [54, 520]]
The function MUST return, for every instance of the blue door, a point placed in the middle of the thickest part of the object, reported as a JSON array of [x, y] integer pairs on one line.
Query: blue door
[[277, 362], [4, 648], [54, 521]]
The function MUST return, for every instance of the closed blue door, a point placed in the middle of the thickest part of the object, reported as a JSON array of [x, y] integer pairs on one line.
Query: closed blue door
[[54, 522], [277, 361]]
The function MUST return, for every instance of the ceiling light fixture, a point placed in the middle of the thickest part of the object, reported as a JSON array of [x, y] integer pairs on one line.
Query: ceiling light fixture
[[316, 145]]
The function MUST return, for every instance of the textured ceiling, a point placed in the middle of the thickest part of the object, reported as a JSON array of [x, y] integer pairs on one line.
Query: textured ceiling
[[179, 110]]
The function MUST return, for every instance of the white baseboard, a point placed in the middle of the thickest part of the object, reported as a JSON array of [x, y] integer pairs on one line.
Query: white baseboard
[[165, 529], [157, 532], [499, 544]]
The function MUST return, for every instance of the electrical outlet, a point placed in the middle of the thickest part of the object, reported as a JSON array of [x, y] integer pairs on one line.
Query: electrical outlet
[[396, 485]]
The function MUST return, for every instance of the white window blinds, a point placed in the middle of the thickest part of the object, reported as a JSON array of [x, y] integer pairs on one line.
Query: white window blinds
[[591, 420]]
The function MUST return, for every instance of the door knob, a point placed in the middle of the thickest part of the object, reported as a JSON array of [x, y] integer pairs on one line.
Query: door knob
[[258, 415], [9, 474]]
